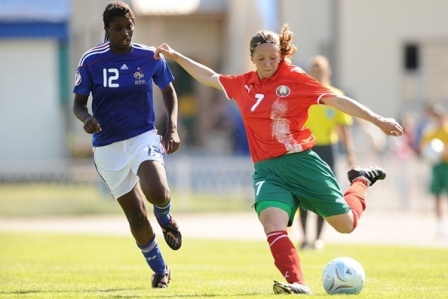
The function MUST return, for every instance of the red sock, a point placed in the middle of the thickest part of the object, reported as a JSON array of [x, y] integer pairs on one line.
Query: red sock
[[355, 196], [285, 256]]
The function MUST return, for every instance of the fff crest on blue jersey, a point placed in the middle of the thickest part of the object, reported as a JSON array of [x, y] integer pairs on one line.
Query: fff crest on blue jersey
[[138, 75], [283, 91]]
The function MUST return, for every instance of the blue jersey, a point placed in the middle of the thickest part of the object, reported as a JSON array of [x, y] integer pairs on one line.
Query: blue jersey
[[122, 89]]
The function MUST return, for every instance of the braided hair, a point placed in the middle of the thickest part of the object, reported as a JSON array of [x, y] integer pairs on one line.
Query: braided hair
[[116, 9]]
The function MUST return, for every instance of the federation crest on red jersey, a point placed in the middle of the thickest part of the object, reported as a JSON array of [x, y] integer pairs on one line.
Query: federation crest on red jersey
[[283, 91]]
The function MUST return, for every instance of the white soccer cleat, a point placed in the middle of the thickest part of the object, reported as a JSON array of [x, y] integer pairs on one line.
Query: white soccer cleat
[[290, 288]]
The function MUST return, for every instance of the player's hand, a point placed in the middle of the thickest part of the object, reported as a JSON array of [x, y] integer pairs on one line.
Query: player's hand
[[91, 125], [165, 51], [390, 127], [171, 142]]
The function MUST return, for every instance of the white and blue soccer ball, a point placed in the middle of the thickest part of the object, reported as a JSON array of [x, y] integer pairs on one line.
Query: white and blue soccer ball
[[343, 275]]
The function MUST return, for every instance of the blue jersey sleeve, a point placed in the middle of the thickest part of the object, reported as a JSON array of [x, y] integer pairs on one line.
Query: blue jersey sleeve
[[83, 82], [163, 76]]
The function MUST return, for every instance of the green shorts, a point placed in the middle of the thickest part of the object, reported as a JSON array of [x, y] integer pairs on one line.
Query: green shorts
[[298, 179], [439, 179]]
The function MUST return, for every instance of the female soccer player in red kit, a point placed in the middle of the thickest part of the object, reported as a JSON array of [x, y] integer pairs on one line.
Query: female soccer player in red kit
[[274, 100]]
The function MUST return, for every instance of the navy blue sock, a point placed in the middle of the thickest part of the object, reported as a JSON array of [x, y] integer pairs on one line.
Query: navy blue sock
[[153, 256], [163, 213]]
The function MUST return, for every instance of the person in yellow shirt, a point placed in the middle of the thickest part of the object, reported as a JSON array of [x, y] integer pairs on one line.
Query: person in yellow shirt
[[439, 168], [329, 126]]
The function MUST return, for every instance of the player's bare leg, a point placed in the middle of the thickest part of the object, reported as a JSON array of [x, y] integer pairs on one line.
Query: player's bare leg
[[154, 185], [134, 208]]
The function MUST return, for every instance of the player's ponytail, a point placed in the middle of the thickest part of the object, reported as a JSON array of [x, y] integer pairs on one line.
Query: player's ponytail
[[287, 48]]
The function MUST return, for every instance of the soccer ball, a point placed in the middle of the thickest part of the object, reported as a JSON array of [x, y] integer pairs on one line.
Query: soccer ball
[[343, 275], [433, 150]]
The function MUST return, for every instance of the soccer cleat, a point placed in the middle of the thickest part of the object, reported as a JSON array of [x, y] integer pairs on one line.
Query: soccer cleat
[[172, 235], [372, 174], [290, 288], [161, 280]]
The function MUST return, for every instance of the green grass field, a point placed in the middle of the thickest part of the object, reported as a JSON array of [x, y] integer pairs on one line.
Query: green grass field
[[45, 265]]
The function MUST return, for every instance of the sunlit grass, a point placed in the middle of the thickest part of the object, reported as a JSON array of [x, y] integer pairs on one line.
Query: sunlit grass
[[48, 265]]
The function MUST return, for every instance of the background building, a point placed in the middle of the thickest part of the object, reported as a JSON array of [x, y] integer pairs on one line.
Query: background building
[[390, 55], [34, 85], [393, 60]]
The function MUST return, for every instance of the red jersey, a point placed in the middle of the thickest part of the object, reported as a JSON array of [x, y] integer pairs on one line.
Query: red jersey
[[274, 110]]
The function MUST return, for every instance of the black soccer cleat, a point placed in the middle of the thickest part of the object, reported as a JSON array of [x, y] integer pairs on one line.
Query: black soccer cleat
[[290, 288], [172, 235], [372, 174], [161, 281]]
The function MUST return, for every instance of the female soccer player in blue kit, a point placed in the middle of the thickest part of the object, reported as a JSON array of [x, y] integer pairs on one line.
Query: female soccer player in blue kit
[[128, 152]]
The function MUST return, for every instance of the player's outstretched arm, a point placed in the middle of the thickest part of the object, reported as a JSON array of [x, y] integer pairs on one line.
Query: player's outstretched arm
[[200, 72], [345, 104]]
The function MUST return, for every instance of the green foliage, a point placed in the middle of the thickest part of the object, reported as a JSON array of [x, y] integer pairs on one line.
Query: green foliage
[[45, 265]]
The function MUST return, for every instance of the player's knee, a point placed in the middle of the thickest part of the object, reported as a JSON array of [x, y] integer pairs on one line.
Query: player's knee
[[159, 197], [341, 223], [344, 228]]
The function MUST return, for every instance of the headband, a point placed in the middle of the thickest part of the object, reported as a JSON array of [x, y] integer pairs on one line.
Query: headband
[[262, 42]]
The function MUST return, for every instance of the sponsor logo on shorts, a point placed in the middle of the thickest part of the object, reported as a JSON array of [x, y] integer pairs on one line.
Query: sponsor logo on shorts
[[340, 200]]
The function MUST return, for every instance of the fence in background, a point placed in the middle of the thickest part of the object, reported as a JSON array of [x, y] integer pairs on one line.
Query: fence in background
[[231, 177]]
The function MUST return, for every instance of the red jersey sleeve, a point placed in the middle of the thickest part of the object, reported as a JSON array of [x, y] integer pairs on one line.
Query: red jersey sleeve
[[309, 89], [230, 85]]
